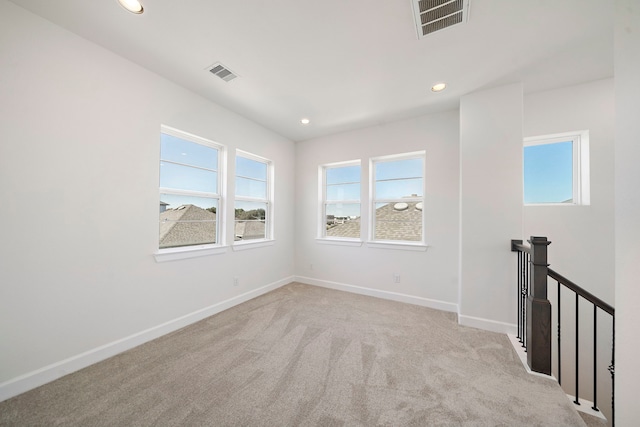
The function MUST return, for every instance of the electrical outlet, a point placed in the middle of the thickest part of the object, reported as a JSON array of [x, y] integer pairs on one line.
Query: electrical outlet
[[310, 266], [236, 281], [396, 277]]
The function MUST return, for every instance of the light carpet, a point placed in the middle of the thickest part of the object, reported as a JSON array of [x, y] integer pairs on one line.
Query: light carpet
[[306, 356]]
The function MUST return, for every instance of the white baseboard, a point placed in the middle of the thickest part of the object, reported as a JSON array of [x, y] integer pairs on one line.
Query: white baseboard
[[487, 324], [56, 370], [474, 322], [393, 296], [522, 355], [585, 406]]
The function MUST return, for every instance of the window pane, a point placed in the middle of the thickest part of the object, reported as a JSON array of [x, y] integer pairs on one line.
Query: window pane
[[398, 221], [190, 153], [343, 220], [408, 168], [251, 188], [343, 209], [548, 173], [342, 183], [187, 178], [343, 192], [172, 201], [251, 168], [397, 189], [186, 220], [344, 174], [250, 220]]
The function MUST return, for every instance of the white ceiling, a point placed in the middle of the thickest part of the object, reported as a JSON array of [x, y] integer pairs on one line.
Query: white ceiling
[[346, 64]]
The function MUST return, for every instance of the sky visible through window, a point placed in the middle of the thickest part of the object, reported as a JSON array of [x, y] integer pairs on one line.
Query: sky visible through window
[[395, 179], [548, 177], [251, 181], [343, 184], [186, 165], [548, 173], [398, 179]]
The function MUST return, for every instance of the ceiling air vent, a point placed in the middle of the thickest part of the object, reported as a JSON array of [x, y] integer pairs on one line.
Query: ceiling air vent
[[223, 72], [435, 15]]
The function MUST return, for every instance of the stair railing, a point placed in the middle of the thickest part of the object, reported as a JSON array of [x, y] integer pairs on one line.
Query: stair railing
[[534, 316]]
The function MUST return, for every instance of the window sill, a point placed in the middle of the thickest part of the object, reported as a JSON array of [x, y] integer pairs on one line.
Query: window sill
[[174, 254], [339, 242], [526, 205], [420, 247], [243, 246]]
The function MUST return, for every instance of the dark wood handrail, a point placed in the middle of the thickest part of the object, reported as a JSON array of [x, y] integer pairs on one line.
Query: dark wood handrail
[[583, 293], [518, 246], [534, 316]]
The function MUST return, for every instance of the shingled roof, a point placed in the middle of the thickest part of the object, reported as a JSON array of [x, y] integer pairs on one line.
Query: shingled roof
[[350, 229], [184, 226], [250, 230], [394, 221]]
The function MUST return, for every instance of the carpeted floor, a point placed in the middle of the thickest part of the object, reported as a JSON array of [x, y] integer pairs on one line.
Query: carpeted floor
[[303, 355]]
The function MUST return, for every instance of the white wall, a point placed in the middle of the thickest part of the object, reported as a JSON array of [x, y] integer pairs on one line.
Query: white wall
[[79, 154], [491, 205], [430, 275], [627, 210], [582, 237]]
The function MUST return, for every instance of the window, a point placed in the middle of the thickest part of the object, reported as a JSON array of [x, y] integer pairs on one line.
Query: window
[[397, 190], [556, 169], [340, 209], [396, 196], [190, 182], [253, 204]]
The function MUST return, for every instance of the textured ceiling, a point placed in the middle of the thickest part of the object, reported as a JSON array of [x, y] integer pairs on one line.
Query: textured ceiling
[[346, 64]]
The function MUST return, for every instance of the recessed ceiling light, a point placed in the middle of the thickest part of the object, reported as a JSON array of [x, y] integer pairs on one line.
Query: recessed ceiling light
[[305, 121], [438, 87], [132, 6]]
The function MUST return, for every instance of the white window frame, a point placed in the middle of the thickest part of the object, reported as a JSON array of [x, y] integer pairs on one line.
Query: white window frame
[[269, 210], [580, 166], [322, 203], [183, 252], [373, 200]]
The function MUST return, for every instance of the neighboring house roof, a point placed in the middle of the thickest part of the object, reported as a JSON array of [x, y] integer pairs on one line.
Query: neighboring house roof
[[399, 221], [349, 229], [184, 226], [394, 221], [251, 229]]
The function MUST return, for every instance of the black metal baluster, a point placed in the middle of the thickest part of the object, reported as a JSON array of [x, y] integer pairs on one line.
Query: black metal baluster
[[526, 269], [523, 298], [522, 285], [559, 342], [525, 293], [519, 293], [522, 288], [612, 370], [521, 312], [595, 359], [577, 402]]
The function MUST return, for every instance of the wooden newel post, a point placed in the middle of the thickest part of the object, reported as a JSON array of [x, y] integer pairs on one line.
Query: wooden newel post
[[539, 309]]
